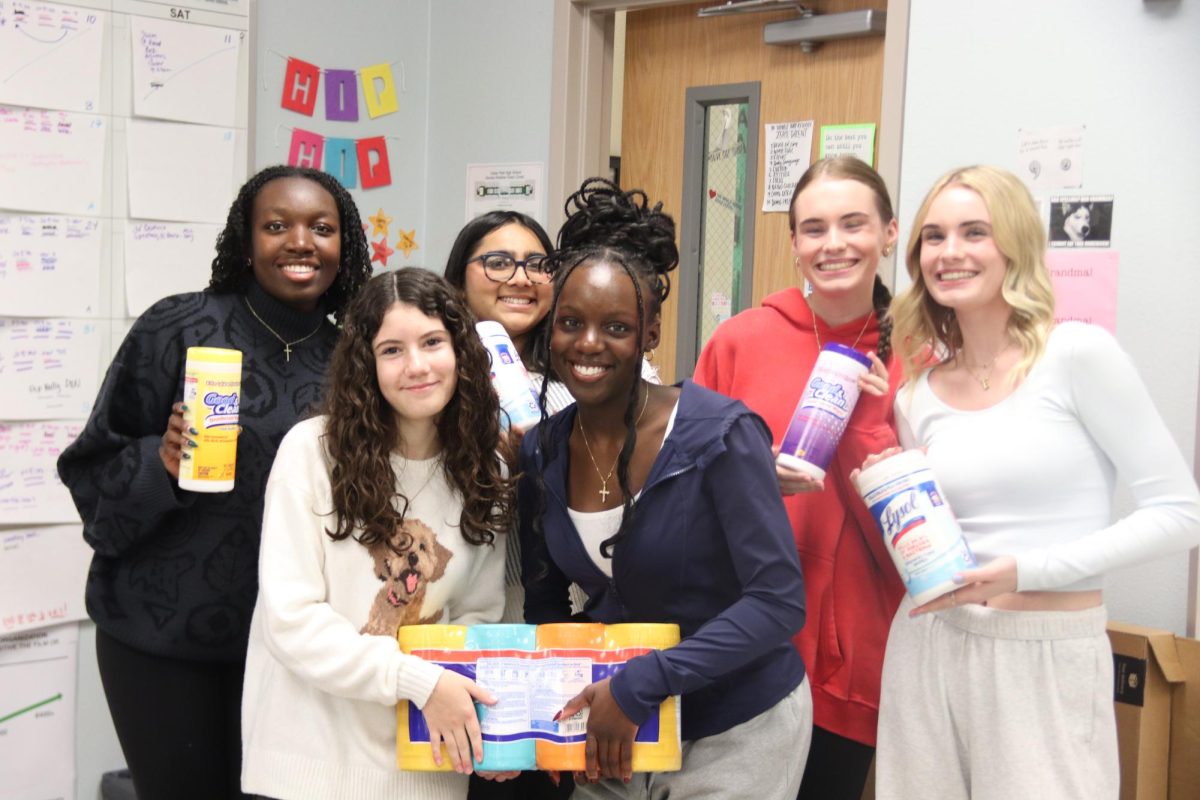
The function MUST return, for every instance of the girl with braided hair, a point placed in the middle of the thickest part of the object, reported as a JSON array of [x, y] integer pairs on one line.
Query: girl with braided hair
[[174, 575], [842, 226], [661, 503]]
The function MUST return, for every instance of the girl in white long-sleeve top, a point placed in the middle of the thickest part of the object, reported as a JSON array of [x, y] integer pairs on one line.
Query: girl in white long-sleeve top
[[1003, 688], [390, 509]]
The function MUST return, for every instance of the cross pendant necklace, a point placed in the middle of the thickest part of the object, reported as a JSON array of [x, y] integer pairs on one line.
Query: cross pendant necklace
[[604, 479], [287, 346]]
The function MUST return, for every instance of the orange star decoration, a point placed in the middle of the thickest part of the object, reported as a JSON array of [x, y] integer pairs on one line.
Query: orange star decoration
[[382, 251], [407, 241], [379, 224]]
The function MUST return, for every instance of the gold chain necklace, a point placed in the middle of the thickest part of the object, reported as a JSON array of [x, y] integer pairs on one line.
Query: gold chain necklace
[[604, 479], [984, 378], [858, 339], [287, 346]]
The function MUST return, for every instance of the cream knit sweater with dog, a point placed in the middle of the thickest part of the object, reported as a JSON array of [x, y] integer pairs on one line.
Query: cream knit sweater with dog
[[321, 686]]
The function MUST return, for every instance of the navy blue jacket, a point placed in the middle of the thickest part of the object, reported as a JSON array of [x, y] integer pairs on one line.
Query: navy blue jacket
[[710, 549]]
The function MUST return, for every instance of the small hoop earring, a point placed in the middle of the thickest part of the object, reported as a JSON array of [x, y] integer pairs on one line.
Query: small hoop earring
[[796, 261]]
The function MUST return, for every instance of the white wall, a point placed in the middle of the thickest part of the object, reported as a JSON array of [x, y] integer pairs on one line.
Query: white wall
[[489, 101], [1128, 71]]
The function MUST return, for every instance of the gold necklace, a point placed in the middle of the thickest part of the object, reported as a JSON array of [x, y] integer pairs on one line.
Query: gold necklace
[[858, 339], [985, 377], [604, 479], [287, 346]]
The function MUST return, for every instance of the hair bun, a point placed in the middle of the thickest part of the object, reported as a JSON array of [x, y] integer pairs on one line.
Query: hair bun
[[602, 215]]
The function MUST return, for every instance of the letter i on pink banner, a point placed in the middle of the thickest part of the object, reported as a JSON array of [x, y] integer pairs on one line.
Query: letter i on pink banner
[[381, 173], [341, 95], [306, 149], [300, 83]]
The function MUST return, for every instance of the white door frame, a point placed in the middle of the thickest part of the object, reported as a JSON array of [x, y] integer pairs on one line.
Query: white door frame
[[581, 94]]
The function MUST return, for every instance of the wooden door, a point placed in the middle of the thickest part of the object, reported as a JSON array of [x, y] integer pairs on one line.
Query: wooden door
[[669, 49]]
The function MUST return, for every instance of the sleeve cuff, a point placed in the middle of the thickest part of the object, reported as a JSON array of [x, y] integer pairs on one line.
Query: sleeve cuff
[[415, 679], [1030, 577], [158, 490], [638, 709]]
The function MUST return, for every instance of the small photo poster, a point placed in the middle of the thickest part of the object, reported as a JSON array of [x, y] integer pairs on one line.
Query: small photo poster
[[1081, 221]]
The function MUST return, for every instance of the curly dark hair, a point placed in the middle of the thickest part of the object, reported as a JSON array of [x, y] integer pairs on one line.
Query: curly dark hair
[[607, 225], [231, 268], [456, 271], [361, 432]]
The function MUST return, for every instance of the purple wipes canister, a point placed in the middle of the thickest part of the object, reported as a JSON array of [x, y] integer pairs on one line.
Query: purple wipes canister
[[820, 417]]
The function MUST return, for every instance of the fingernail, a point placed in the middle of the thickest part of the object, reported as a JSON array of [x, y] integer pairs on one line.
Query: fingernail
[[183, 407], [186, 456], [957, 578], [190, 443], [557, 715], [193, 432]]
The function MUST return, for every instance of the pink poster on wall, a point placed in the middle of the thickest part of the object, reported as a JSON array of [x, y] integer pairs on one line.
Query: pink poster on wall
[[1085, 286]]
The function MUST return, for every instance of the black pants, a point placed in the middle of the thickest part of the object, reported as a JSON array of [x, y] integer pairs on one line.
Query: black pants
[[179, 722], [529, 785], [837, 767]]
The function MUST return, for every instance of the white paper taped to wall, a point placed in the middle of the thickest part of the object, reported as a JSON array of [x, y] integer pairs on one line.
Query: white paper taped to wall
[[43, 572], [49, 266], [51, 161], [166, 258], [50, 55], [180, 172], [186, 73], [30, 491], [37, 712], [48, 368]]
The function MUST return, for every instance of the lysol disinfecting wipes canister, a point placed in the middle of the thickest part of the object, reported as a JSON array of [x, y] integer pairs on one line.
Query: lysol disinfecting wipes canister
[[920, 530]]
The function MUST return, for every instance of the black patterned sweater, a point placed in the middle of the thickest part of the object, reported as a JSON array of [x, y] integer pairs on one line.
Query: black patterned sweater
[[175, 573]]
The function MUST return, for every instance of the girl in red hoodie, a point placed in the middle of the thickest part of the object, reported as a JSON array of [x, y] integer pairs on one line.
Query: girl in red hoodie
[[841, 224]]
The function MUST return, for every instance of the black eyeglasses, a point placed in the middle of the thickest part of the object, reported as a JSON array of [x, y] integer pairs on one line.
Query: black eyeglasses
[[501, 267]]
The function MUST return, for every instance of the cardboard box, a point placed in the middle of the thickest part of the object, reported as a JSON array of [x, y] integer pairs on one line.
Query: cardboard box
[[1185, 725], [1145, 665]]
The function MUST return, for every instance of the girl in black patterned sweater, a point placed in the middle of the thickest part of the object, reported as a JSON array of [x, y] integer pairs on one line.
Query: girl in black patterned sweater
[[174, 576]]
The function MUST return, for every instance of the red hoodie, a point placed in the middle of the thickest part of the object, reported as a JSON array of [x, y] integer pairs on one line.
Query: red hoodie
[[763, 357]]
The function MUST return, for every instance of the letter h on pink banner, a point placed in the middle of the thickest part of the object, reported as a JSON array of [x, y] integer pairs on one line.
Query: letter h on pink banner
[[306, 150]]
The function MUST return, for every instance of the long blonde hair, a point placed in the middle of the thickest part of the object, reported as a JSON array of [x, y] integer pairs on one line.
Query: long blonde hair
[[921, 323]]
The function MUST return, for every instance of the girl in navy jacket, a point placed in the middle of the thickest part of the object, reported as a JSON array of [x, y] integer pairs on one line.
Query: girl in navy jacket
[[661, 502]]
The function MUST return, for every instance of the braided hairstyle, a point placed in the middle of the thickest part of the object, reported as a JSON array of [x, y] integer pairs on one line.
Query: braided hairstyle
[[606, 225], [361, 430], [231, 267], [849, 168]]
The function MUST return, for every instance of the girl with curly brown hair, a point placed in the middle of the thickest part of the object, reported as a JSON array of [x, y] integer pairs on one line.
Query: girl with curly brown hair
[[391, 508]]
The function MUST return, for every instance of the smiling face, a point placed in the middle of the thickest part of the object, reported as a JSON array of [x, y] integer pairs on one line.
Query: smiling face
[[961, 265], [594, 346], [296, 241], [516, 304], [415, 365], [838, 238]]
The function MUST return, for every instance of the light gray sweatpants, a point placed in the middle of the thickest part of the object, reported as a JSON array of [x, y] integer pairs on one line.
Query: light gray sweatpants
[[761, 759], [983, 704]]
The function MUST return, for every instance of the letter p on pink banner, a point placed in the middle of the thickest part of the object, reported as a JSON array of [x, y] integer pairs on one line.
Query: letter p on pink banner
[[306, 150]]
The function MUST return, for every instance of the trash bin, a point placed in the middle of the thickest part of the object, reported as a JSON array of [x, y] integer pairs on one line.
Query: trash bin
[[117, 785]]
